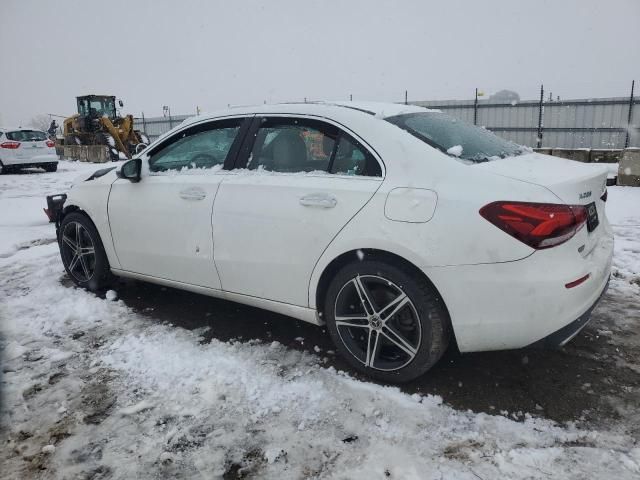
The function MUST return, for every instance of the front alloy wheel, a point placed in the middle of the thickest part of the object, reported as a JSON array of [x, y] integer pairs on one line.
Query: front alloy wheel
[[78, 252], [82, 252]]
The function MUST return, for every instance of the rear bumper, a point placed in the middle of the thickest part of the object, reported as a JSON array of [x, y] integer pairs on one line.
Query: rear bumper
[[562, 336], [516, 304], [31, 161]]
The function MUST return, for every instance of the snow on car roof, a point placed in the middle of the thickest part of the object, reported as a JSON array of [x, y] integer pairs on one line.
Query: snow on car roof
[[18, 129], [377, 109], [380, 109]]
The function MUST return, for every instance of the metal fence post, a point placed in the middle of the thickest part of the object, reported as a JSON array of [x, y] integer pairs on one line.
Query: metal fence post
[[539, 141], [144, 124], [626, 138], [475, 109], [406, 97]]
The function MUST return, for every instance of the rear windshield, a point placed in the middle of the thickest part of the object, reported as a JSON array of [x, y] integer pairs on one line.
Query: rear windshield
[[27, 136], [456, 138]]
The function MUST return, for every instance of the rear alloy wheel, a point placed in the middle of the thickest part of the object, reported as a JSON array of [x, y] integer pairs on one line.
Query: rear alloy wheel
[[82, 252], [387, 323]]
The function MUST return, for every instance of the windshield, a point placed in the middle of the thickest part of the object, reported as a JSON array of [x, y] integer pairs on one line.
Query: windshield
[[455, 137], [97, 107], [26, 136]]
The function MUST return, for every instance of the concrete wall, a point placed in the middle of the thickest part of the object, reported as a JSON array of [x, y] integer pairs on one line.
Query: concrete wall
[[628, 160], [629, 168], [87, 153]]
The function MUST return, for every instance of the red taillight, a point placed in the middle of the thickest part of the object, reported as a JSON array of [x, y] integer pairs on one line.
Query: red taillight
[[50, 144], [11, 145], [539, 225]]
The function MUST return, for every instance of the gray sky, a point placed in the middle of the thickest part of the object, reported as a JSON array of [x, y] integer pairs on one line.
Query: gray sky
[[192, 53]]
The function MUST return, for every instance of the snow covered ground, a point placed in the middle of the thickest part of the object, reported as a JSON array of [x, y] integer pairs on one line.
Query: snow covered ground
[[94, 390]]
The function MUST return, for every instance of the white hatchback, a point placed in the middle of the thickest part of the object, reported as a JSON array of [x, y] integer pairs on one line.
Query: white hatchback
[[400, 228], [26, 147]]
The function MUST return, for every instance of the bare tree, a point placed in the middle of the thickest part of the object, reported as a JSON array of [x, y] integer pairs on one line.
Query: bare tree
[[41, 122]]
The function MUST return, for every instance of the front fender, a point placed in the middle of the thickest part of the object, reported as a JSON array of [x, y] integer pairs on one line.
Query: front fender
[[93, 198]]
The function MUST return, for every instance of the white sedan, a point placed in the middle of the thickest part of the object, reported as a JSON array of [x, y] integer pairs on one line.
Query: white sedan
[[24, 148], [400, 228]]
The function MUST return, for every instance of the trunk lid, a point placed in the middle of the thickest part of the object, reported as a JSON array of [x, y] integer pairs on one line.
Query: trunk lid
[[31, 148], [574, 183], [32, 143]]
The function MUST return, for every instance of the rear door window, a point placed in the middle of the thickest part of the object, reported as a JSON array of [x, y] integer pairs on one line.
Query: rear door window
[[292, 146], [300, 145], [26, 136]]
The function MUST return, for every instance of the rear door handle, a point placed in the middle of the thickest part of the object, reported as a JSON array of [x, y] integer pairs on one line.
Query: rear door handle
[[193, 193], [320, 200]]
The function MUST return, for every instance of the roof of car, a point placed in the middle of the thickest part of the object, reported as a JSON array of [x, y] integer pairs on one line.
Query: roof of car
[[17, 129], [324, 108]]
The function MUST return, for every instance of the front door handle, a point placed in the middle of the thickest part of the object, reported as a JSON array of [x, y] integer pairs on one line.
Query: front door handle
[[193, 193], [320, 200]]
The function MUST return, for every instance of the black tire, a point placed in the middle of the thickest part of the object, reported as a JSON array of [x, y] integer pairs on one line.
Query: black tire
[[88, 272], [50, 167], [422, 321]]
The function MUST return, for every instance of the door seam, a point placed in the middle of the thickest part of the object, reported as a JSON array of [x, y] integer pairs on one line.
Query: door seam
[[213, 241], [315, 265]]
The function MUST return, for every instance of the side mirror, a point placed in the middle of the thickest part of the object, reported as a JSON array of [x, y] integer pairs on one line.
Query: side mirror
[[120, 102], [131, 170]]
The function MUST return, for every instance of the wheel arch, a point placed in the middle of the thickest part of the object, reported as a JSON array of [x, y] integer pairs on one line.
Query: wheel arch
[[371, 253], [66, 210]]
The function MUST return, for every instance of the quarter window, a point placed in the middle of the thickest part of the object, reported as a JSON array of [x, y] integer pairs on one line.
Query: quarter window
[[351, 159], [202, 149]]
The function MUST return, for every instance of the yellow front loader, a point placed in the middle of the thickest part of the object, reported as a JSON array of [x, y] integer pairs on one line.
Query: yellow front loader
[[97, 134]]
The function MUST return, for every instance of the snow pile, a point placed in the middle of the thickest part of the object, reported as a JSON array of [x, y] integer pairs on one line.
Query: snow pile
[[23, 224], [456, 150], [153, 401], [94, 390]]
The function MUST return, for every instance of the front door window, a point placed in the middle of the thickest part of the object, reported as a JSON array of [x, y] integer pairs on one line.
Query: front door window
[[204, 149]]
